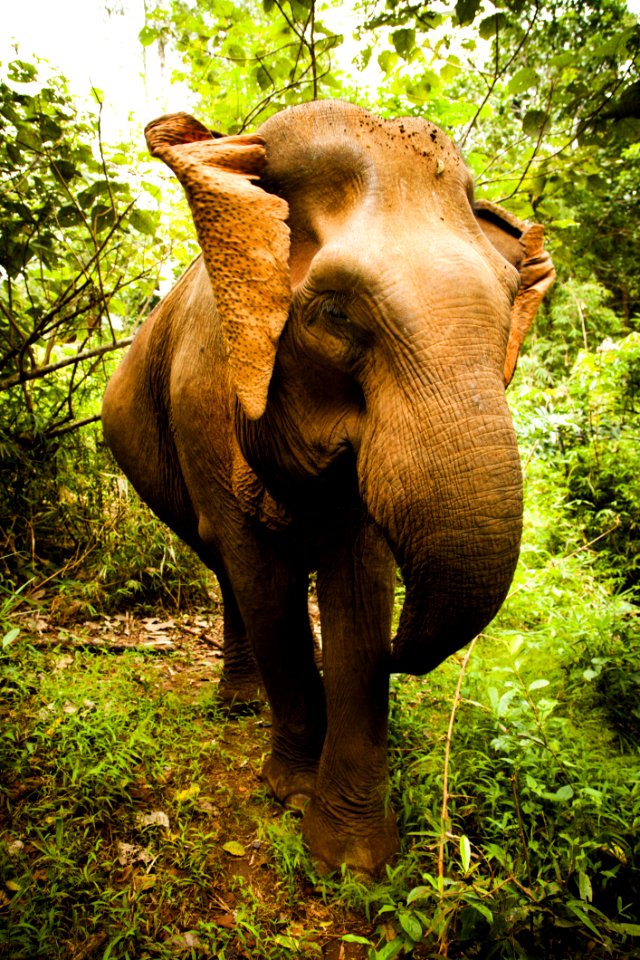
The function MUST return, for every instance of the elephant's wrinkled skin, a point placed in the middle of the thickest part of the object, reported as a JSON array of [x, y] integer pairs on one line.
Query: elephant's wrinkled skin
[[325, 390]]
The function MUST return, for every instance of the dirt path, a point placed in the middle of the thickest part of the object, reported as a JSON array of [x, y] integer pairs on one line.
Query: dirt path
[[258, 895]]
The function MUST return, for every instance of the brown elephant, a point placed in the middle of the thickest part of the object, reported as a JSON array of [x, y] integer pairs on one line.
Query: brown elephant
[[324, 390]]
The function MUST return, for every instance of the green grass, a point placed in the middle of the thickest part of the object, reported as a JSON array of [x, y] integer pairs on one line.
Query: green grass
[[536, 855]]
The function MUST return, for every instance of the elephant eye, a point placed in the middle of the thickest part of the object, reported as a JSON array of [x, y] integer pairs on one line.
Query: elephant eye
[[333, 307]]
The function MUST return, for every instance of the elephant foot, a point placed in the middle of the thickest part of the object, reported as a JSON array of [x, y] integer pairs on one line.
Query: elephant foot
[[365, 846], [293, 786], [241, 696]]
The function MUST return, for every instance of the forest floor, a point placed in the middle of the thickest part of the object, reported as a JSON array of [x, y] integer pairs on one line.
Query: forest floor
[[134, 824], [198, 845]]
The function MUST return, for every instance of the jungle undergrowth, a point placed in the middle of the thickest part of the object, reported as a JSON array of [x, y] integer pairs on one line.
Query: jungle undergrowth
[[134, 823]]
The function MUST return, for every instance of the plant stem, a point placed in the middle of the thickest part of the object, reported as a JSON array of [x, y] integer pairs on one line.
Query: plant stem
[[447, 753]]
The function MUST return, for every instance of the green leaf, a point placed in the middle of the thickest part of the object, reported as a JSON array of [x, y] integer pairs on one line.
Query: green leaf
[[465, 853], [524, 79], [492, 25], [69, 216], [390, 950], [411, 926], [354, 938], [262, 77], [466, 10], [21, 72], [102, 216], [28, 137], [144, 222], [64, 169], [630, 929], [289, 943], [564, 793], [419, 893], [584, 886], [148, 35], [300, 8], [537, 685], [615, 46], [577, 908], [535, 122], [387, 60], [234, 849], [13, 152], [564, 224], [404, 42], [564, 59], [10, 637], [481, 908]]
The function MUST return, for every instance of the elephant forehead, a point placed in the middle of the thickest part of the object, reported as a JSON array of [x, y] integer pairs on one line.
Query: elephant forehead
[[338, 151]]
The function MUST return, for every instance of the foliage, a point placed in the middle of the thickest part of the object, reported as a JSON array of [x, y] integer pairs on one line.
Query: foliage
[[246, 62], [73, 254], [586, 432], [75, 260]]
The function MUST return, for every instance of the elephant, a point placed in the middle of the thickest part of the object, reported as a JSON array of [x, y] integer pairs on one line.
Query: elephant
[[323, 392]]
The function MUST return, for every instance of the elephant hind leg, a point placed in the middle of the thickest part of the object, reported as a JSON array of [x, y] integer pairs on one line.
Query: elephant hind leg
[[273, 602], [241, 688]]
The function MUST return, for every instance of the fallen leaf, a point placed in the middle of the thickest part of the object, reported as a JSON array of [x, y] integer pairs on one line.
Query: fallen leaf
[[62, 663], [156, 818], [14, 847], [144, 881], [234, 848], [152, 625], [129, 853], [159, 644], [184, 941]]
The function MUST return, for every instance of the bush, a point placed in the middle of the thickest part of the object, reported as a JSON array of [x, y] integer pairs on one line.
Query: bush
[[586, 437]]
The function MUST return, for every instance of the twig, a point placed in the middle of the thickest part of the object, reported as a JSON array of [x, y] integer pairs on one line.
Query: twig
[[447, 752], [499, 73], [74, 425], [25, 375], [523, 839], [585, 546], [103, 646]]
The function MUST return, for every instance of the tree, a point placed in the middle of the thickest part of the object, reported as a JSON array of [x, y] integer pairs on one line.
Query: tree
[[246, 62], [78, 264]]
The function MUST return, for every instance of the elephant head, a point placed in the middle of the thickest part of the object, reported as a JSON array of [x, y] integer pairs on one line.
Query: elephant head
[[373, 312]]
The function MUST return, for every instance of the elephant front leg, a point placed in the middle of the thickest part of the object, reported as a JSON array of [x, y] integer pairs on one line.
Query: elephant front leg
[[348, 820]]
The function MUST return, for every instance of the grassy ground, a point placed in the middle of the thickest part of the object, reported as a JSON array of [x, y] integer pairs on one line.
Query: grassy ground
[[133, 822]]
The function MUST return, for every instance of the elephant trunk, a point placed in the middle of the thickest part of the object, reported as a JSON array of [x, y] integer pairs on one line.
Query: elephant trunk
[[448, 498]]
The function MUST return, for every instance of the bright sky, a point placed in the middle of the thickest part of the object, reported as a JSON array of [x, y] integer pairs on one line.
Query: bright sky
[[92, 47]]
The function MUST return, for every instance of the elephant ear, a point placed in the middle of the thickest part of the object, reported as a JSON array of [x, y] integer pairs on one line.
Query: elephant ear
[[244, 240], [522, 244]]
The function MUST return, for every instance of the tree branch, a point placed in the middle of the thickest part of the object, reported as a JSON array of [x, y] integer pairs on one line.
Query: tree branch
[[39, 372]]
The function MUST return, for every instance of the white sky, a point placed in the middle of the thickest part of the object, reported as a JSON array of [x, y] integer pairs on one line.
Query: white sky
[[92, 48]]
